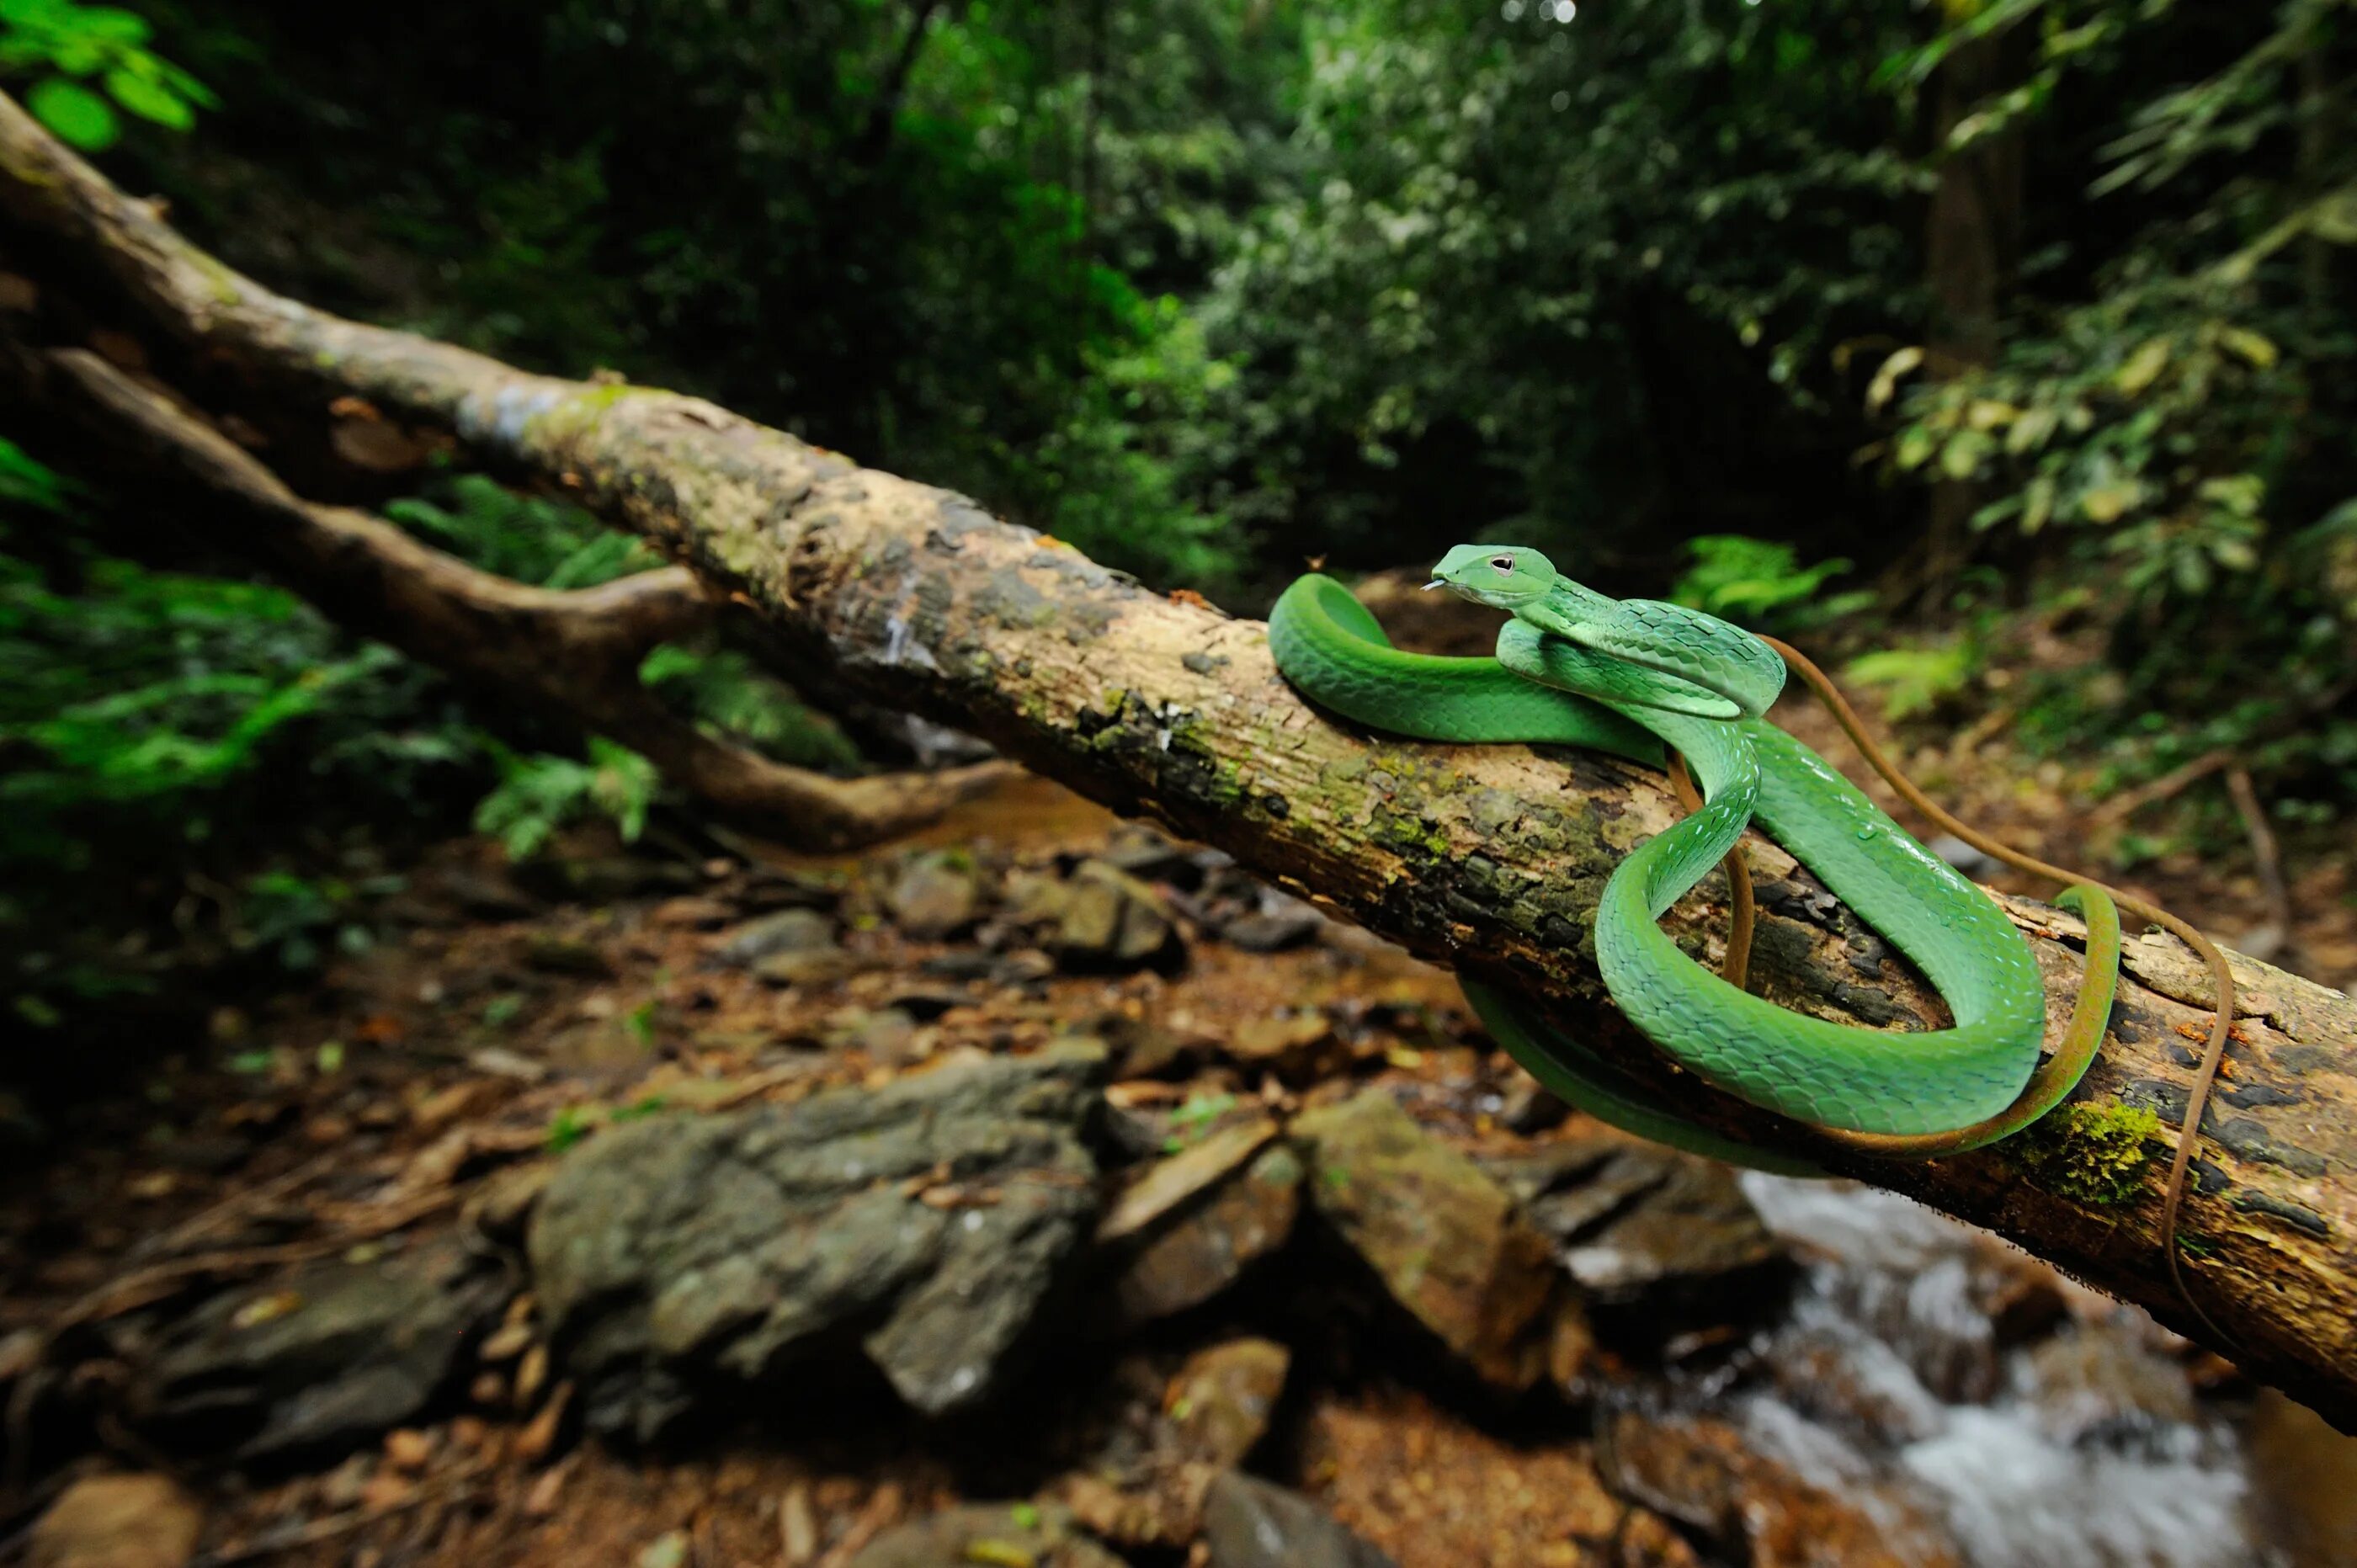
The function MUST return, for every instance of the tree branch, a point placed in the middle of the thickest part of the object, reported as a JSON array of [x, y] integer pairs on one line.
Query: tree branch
[[1490, 857], [575, 653]]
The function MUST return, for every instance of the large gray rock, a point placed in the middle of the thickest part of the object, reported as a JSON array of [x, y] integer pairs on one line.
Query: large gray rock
[[322, 1359], [1249, 1524], [925, 1223]]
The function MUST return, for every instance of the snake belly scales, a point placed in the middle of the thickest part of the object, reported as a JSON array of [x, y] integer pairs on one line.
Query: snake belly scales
[[1654, 683]]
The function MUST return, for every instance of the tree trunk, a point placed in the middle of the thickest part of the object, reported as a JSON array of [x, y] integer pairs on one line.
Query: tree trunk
[[1972, 243], [1488, 857]]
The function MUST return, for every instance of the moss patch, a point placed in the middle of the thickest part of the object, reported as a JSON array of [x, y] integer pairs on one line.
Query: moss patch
[[2088, 1154]]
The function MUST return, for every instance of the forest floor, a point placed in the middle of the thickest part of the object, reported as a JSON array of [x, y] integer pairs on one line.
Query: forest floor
[[594, 1216]]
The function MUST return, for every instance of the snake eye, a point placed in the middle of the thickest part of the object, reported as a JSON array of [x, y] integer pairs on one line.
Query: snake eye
[[1501, 564]]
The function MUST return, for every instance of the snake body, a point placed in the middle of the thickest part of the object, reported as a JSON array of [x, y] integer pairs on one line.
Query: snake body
[[1642, 680]]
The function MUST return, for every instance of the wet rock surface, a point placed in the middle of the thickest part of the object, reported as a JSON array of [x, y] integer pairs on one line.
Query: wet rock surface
[[1707, 1475], [925, 1222]]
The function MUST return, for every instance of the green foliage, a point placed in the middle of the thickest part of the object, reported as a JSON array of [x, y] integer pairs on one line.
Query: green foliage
[[1758, 582], [523, 537], [1917, 680], [2178, 430], [139, 701], [728, 694], [85, 62], [541, 794]]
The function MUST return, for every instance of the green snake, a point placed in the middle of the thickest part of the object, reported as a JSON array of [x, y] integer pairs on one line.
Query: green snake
[[1656, 682]]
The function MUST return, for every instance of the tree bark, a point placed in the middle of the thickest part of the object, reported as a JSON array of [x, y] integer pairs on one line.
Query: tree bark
[[1490, 857]]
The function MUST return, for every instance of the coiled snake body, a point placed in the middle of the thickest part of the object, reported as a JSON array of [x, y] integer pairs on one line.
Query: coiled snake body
[[1659, 682]]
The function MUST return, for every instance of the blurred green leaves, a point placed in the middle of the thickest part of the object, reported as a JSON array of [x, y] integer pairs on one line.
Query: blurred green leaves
[[86, 63]]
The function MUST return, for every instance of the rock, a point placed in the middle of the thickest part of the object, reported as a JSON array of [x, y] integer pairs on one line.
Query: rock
[[1447, 1241], [789, 930], [1222, 1400], [1636, 1222], [1853, 1381], [1145, 852], [1109, 920], [739, 1247], [319, 1360], [996, 1535], [1205, 1246], [1171, 1182], [1282, 922], [935, 895], [1298, 1044], [1249, 1524], [2092, 1384], [551, 952], [118, 1521], [812, 966], [1142, 1048], [1705, 1475]]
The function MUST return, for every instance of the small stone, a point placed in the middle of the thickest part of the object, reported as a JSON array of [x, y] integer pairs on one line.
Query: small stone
[[810, 966], [1291, 1043], [1171, 1182], [935, 895], [118, 1521], [2091, 1382], [793, 931], [1282, 922], [1207, 1246], [1109, 920], [1249, 1524], [1222, 1400]]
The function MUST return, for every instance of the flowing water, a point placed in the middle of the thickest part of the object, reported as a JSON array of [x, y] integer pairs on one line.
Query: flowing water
[[2080, 1443]]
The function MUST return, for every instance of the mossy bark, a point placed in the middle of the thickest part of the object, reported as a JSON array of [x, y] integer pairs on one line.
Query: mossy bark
[[1490, 857]]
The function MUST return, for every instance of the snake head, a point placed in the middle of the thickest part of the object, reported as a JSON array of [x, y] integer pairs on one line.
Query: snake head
[[1502, 577]]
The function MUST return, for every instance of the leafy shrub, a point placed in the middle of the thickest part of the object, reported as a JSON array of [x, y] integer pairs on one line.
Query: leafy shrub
[[1758, 581], [538, 794], [88, 62]]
